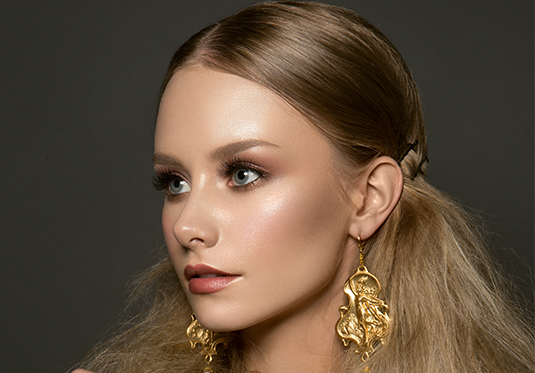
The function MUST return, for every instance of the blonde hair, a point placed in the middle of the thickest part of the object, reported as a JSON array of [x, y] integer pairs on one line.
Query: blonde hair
[[448, 304]]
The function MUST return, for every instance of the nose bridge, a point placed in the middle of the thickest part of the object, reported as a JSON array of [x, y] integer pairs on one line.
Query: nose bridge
[[195, 225]]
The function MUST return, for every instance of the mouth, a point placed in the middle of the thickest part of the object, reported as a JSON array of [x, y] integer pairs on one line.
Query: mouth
[[203, 271], [209, 275], [203, 279]]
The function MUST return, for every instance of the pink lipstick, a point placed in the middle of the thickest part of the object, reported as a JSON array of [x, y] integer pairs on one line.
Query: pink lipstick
[[203, 279]]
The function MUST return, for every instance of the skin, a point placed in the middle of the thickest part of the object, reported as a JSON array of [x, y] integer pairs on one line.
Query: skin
[[289, 235], [285, 227]]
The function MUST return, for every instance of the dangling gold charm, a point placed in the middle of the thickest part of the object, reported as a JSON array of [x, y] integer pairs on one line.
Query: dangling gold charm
[[207, 339], [365, 320]]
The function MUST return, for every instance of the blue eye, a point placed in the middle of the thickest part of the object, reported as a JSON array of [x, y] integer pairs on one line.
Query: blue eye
[[244, 176], [178, 186]]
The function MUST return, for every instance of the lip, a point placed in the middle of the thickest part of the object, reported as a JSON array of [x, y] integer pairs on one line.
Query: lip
[[204, 279]]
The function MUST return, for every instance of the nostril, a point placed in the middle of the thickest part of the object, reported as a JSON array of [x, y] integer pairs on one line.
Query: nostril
[[194, 243]]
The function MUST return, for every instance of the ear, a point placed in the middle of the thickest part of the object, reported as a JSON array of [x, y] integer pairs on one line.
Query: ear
[[374, 195]]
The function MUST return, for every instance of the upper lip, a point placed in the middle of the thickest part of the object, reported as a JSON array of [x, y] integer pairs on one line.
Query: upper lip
[[202, 269]]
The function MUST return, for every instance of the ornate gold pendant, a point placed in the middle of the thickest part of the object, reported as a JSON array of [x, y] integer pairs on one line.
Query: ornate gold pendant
[[365, 320], [198, 334]]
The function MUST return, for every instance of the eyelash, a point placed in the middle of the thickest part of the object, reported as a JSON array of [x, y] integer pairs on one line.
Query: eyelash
[[237, 162], [162, 179]]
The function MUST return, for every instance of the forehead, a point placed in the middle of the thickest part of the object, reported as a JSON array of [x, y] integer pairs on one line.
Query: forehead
[[212, 108]]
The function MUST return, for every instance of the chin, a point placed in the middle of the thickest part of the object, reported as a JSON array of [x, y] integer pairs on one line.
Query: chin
[[217, 321]]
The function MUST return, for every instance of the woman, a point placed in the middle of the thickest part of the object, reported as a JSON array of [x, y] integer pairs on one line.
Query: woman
[[301, 231]]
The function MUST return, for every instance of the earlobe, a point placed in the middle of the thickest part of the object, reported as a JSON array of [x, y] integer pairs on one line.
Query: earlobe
[[375, 195]]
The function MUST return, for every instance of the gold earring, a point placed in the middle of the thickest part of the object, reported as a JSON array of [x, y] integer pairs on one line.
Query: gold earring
[[198, 334], [365, 320]]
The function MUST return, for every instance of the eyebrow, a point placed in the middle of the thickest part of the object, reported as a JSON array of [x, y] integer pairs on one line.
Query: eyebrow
[[164, 159], [223, 152], [229, 150]]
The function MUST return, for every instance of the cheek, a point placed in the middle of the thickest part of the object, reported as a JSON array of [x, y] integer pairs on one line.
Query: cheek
[[290, 224]]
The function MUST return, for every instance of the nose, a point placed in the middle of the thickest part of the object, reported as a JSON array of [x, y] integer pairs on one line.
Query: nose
[[195, 226]]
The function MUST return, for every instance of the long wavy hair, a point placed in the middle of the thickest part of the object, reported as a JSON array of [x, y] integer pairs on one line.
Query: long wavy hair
[[447, 301]]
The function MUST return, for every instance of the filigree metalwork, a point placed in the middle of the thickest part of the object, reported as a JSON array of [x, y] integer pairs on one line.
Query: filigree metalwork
[[207, 339]]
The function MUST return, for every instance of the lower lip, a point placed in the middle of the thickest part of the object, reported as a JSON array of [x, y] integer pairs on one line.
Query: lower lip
[[207, 285]]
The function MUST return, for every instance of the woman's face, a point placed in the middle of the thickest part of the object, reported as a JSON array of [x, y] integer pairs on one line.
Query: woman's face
[[255, 219]]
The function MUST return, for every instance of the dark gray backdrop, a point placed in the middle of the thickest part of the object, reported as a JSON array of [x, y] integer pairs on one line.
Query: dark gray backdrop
[[79, 82]]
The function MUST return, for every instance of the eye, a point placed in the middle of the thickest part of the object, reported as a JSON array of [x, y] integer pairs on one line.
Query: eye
[[178, 186], [244, 176]]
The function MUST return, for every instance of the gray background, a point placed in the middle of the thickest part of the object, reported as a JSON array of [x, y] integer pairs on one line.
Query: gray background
[[79, 82]]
